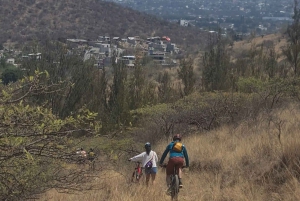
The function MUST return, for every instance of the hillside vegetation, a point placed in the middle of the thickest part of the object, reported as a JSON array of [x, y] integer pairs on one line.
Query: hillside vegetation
[[238, 116], [256, 160], [87, 19]]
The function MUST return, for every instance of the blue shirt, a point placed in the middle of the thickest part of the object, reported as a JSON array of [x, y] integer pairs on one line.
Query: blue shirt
[[173, 154]]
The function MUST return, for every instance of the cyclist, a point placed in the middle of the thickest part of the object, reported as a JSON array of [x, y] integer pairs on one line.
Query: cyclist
[[91, 155], [148, 159], [176, 159]]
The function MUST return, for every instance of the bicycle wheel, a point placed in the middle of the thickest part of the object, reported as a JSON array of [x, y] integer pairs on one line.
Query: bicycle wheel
[[174, 187]]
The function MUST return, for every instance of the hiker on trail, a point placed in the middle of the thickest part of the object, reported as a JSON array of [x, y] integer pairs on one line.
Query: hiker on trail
[[178, 153], [148, 160]]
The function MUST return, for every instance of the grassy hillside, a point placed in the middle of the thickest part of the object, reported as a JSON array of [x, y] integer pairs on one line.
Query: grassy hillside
[[40, 19], [277, 40], [257, 160]]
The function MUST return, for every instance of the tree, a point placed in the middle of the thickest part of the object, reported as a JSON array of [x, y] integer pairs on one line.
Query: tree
[[186, 74], [164, 87], [35, 144], [292, 51], [118, 98], [11, 75], [216, 67], [137, 85]]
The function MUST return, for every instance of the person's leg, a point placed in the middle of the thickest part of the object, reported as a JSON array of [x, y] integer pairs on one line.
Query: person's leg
[[179, 164], [153, 176], [169, 171], [147, 178]]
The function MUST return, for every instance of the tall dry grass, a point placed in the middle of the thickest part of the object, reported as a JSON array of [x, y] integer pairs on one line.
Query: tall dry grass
[[255, 161]]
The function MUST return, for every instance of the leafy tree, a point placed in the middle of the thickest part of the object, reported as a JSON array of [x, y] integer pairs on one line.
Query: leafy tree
[[186, 74], [72, 69], [137, 84], [216, 63], [165, 90], [35, 144], [117, 103], [11, 75], [292, 51], [2, 63]]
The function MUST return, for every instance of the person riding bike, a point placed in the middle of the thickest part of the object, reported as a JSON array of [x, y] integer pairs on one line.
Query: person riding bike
[[178, 153], [148, 159], [91, 155]]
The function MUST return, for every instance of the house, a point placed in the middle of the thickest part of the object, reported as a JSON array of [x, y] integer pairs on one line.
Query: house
[[155, 39], [105, 39], [129, 61], [157, 56], [37, 56], [131, 40], [10, 61], [184, 23], [76, 42], [104, 62], [171, 47], [158, 46]]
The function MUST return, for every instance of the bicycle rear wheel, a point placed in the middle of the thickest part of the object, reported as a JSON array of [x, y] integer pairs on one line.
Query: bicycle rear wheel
[[174, 187]]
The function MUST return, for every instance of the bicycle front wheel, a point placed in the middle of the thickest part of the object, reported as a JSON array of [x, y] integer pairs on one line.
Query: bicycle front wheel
[[175, 187]]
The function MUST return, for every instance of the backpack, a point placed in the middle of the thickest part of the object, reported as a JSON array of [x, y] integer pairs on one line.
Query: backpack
[[177, 147], [91, 154]]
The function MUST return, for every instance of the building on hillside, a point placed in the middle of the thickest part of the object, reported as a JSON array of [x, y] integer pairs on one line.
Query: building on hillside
[[184, 23], [35, 56], [132, 41], [129, 61], [155, 39], [10, 61], [76, 42], [104, 39], [157, 56]]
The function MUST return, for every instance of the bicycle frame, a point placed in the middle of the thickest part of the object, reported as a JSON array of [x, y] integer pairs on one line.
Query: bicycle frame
[[174, 188], [137, 173]]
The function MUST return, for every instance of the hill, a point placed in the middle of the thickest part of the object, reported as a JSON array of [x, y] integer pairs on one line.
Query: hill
[[40, 19], [276, 41]]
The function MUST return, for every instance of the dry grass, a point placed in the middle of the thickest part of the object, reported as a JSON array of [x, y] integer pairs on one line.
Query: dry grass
[[277, 40], [247, 162]]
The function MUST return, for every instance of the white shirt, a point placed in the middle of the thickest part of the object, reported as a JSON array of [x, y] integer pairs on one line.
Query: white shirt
[[145, 158]]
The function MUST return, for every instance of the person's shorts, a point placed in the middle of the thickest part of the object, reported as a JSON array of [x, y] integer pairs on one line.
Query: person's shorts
[[152, 170], [177, 162]]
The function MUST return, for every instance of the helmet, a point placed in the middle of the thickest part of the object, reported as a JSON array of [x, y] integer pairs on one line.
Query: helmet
[[147, 145], [177, 137]]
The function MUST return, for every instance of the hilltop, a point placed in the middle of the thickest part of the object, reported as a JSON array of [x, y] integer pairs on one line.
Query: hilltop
[[57, 19]]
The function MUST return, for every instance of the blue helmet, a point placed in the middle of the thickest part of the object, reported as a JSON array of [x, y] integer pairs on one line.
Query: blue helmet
[[147, 145]]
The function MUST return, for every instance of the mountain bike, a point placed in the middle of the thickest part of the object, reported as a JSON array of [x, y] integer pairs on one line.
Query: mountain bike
[[137, 173], [173, 189]]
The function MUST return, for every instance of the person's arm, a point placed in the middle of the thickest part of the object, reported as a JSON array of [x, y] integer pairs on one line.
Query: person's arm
[[137, 157], [186, 156], [164, 155]]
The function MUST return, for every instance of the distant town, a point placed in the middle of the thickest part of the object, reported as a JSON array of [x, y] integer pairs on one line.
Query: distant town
[[238, 16], [104, 49]]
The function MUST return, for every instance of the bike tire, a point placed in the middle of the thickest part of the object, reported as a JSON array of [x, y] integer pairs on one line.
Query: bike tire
[[175, 187]]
